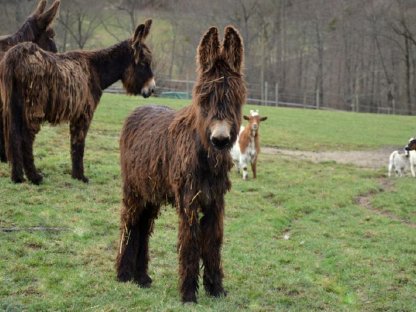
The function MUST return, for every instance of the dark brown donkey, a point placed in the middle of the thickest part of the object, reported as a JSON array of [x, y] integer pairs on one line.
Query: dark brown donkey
[[183, 158], [37, 86], [36, 29]]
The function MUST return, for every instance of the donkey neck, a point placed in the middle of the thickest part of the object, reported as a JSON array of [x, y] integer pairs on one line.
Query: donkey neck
[[111, 63], [25, 33], [4, 45]]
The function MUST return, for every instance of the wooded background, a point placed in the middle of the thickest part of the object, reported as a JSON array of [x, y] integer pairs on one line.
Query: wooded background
[[355, 55]]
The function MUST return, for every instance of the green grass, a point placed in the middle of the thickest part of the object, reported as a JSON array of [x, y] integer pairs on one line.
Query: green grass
[[312, 130], [340, 256], [400, 202]]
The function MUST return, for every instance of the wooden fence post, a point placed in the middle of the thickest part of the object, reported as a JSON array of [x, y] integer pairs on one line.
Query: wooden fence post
[[266, 92], [276, 94], [187, 85], [317, 99]]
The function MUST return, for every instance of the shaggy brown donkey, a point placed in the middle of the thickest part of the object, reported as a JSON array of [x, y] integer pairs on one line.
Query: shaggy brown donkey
[[37, 29], [38, 86], [183, 158]]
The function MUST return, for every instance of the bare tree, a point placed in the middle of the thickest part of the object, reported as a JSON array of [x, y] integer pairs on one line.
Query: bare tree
[[402, 27], [347, 54], [79, 21]]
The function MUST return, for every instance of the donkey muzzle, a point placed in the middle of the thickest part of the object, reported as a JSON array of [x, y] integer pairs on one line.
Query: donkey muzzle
[[220, 135], [221, 142], [149, 88]]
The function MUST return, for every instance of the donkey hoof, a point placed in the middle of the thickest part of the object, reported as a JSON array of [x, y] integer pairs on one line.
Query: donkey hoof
[[18, 180], [124, 277], [36, 179], [189, 298], [221, 293], [144, 281], [3, 159], [215, 291], [81, 178]]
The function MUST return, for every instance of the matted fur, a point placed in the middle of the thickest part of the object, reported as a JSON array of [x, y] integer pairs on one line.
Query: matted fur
[[38, 86], [171, 157], [36, 29]]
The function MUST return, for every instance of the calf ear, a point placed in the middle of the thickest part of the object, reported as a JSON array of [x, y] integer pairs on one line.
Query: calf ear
[[208, 50], [40, 8], [246, 117], [232, 48], [46, 18], [263, 118]]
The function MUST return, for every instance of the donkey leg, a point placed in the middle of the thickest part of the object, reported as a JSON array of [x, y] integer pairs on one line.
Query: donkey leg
[[189, 254], [137, 220], [15, 139], [211, 241], [145, 222], [129, 248], [28, 162], [3, 157], [79, 130], [16, 161], [129, 241]]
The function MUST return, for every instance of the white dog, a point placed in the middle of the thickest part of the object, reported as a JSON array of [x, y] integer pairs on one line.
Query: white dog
[[400, 163]]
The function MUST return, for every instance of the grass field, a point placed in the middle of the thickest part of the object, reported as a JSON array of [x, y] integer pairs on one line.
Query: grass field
[[340, 255]]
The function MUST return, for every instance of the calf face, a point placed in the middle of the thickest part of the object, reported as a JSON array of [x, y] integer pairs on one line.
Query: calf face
[[254, 121]]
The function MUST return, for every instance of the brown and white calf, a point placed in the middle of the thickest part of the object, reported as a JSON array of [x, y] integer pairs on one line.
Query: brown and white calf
[[247, 147]]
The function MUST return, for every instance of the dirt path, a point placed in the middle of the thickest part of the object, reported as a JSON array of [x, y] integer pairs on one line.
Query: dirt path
[[364, 200], [367, 159]]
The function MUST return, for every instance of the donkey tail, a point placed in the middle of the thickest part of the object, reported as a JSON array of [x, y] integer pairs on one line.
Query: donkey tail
[[6, 92]]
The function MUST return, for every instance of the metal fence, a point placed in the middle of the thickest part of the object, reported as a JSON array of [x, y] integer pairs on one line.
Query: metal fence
[[267, 95], [165, 87]]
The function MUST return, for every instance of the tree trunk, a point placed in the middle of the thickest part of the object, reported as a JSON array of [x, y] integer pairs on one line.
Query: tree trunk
[[407, 82]]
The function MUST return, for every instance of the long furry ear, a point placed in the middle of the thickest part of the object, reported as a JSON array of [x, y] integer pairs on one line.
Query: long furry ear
[[263, 118], [141, 32], [232, 48], [46, 18], [208, 49], [147, 26], [40, 8]]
